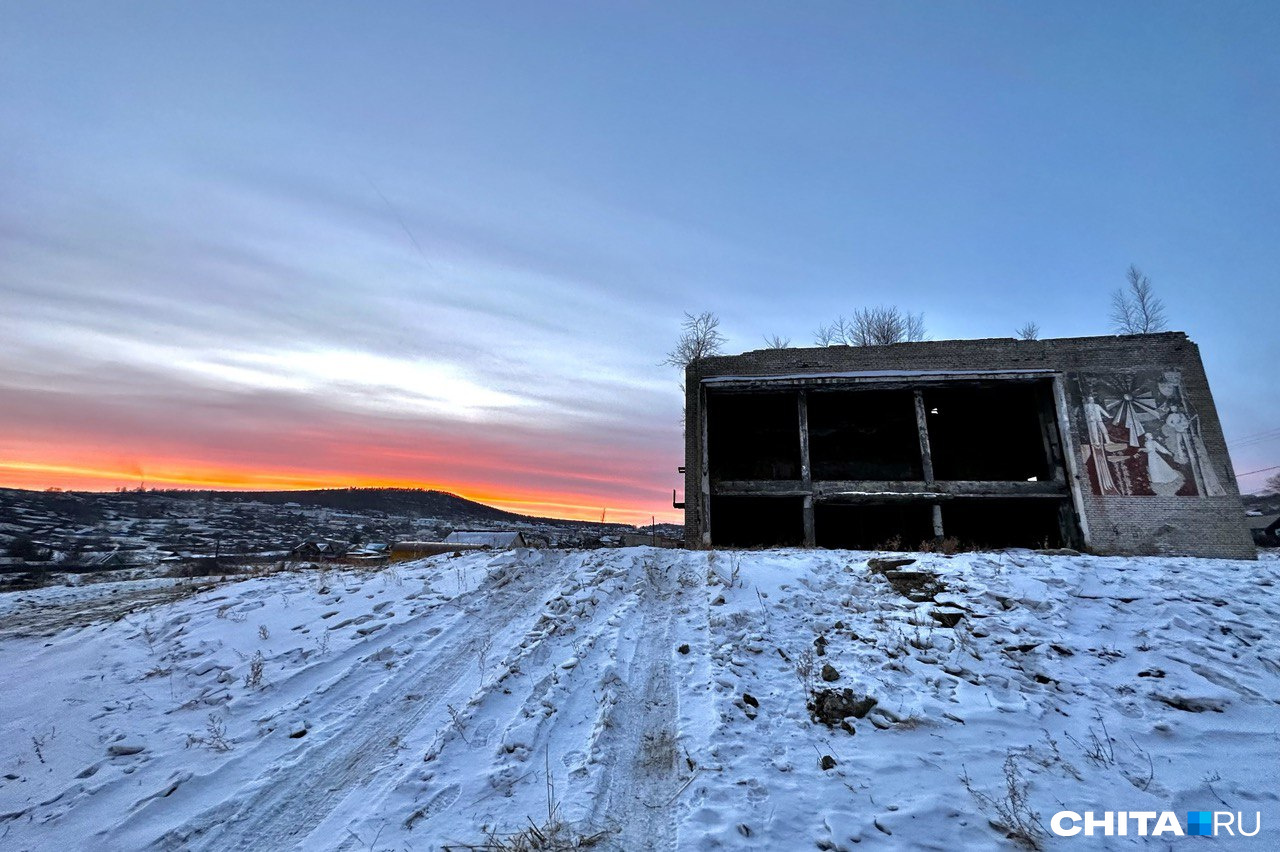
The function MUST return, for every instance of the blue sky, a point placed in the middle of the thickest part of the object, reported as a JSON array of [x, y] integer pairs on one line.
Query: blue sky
[[449, 243]]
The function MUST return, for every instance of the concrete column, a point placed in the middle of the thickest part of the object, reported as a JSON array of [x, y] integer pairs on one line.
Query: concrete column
[[926, 459], [806, 472]]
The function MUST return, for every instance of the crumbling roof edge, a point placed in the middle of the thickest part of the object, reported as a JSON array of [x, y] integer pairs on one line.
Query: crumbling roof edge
[[873, 374], [949, 340]]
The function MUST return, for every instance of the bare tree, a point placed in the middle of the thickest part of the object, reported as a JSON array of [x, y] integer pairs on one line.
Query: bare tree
[[700, 338], [1136, 309], [876, 326], [1272, 485], [775, 341], [835, 334], [1030, 331]]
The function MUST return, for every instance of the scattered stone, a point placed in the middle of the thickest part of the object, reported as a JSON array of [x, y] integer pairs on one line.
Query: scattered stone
[[750, 699], [829, 673], [719, 601], [683, 649], [1151, 673], [848, 727], [918, 586], [1059, 551], [828, 762], [888, 563], [123, 749], [947, 618], [820, 646], [830, 707]]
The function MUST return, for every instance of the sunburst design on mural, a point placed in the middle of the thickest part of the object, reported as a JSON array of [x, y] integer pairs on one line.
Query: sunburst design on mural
[[1134, 404], [1142, 437]]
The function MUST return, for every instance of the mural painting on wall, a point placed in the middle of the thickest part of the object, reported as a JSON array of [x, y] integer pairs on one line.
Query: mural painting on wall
[[1143, 439]]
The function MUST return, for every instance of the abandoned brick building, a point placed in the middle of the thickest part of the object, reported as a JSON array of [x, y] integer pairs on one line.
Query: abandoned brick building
[[1110, 444]]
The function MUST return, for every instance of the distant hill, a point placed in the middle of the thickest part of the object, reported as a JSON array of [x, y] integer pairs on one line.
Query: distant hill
[[393, 501], [151, 526]]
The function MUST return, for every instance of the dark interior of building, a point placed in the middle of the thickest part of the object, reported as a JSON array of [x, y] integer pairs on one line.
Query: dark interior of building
[[757, 521], [864, 434], [988, 522], [753, 436], [987, 432], [902, 525], [1001, 431]]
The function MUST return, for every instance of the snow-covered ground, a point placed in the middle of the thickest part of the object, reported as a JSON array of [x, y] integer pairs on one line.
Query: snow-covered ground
[[657, 698]]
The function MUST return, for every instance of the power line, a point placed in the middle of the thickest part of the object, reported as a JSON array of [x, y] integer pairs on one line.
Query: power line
[[1253, 435], [1257, 439], [1260, 470]]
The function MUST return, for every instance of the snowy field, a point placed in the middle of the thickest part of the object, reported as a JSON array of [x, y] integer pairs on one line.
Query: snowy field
[[651, 699]]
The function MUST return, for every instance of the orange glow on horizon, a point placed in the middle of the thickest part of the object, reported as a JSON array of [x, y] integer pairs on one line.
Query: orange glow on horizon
[[74, 476]]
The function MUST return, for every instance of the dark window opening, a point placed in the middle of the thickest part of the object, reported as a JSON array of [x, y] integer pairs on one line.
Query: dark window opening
[[757, 521], [864, 435], [990, 432], [995, 523], [893, 526], [753, 436]]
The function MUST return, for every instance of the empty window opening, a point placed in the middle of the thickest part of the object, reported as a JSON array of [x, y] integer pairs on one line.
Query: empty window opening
[[864, 435], [753, 436], [995, 523], [892, 526], [989, 432], [757, 521]]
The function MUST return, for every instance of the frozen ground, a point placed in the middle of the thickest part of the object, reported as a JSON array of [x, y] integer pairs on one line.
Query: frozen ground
[[422, 705]]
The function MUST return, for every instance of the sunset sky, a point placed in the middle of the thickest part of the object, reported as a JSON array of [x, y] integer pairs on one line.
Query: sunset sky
[[447, 244]]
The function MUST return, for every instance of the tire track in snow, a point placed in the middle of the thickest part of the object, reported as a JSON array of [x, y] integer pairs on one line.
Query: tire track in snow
[[638, 731], [521, 710], [289, 800]]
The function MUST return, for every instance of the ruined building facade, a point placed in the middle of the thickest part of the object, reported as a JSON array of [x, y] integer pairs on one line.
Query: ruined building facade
[[1110, 444]]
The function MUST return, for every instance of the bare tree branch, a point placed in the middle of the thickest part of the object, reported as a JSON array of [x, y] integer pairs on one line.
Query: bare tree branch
[[700, 338], [830, 335], [1030, 331], [1137, 309], [775, 341], [876, 326]]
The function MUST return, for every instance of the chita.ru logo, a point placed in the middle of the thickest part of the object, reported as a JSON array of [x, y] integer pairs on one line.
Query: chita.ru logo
[[1144, 823]]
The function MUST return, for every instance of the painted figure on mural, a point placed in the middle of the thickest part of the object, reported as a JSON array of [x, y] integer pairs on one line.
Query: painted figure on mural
[[1164, 479], [1143, 438], [1096, 417], [1177, 430]]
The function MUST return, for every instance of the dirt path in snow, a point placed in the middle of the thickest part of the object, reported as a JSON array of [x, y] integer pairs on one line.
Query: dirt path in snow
[[114, 603], [287, 803], [632, 801]]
